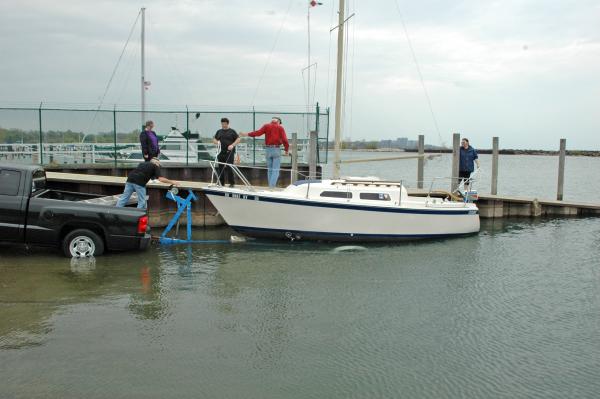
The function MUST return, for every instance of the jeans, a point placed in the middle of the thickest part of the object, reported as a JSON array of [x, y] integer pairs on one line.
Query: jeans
[[273, 156], [129, 189]]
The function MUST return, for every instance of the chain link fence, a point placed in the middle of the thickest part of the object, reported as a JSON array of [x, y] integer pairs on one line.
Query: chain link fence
[[55, 136]]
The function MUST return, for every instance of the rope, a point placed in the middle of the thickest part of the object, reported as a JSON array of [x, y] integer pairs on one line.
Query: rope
[[414, 56], [115, 69], [329, 101], [272, 50], [129, 68], [345, 74], [353, 58]]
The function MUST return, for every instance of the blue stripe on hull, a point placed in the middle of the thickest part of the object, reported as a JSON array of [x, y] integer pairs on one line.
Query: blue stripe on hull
[[252, 197], [258, 232]]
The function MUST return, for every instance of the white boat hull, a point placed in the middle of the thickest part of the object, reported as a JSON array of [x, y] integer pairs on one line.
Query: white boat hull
[[263, 215]]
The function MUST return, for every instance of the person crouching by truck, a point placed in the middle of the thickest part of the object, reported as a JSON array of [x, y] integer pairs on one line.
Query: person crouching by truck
[[149, 142], [228, 138], [137, 180]]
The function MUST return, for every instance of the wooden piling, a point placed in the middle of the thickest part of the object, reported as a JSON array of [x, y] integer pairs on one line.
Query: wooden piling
[[455, 161], [561, 169], [420, 161], [495, 150]]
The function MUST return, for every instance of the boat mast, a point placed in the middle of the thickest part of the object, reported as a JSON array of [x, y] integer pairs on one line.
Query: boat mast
[[338, 90], [143, 68]]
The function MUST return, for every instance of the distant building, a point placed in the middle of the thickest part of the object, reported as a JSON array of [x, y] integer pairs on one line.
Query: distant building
[[402, 142], [386, 144], [411, 144]]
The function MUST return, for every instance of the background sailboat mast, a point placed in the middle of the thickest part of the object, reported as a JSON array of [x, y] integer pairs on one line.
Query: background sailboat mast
[[338, 91], [143, 67]]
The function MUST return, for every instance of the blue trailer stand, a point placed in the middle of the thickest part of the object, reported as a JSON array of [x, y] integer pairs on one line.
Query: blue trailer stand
[[183, 205]]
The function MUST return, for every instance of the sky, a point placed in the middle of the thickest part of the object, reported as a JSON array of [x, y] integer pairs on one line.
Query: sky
[[527, 71]]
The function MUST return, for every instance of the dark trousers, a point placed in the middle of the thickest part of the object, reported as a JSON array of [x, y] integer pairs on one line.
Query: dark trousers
[[224, 170], [464, 176], [150, 156]]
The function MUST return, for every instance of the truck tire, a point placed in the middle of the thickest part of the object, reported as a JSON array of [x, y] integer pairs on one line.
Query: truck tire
[[82, 243]]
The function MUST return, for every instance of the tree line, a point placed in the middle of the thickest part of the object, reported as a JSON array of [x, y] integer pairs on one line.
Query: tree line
[[15, 136]]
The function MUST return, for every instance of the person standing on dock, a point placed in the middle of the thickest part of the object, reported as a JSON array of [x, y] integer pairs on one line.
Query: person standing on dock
[[228, 138], [149, 142], [274, 137], [468, 156], [137, 180]]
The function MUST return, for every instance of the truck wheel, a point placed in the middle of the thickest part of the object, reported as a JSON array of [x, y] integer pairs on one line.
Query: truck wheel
[[82, 243]]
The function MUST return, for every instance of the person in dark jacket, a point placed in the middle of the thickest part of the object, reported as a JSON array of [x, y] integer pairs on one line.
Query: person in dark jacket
[[228, 138], [468, 156], [149, 142], [137, 180]]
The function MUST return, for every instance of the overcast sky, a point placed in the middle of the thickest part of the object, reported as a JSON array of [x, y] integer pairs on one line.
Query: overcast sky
[[527, 71]]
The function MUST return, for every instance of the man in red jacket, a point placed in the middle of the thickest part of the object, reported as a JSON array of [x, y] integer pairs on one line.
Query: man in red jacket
[[274, 138]]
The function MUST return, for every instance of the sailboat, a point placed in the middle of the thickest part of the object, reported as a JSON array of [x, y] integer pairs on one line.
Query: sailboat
[[340, 209]]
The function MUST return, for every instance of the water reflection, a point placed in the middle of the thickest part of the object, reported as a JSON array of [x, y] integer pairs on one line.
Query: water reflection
[[148, 302], [83, 266], [38, 283], [439, 318], [37, 286]]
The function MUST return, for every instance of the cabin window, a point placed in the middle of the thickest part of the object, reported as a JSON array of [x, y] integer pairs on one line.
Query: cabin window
[[9, 182], [375, 196], [336, 194]]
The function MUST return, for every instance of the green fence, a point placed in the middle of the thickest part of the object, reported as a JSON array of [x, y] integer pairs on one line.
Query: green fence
[[46, 135]]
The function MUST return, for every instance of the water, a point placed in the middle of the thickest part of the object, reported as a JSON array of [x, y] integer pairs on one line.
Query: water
[[513, 312], [518, 175]]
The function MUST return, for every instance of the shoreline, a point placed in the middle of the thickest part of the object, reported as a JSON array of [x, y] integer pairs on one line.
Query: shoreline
[[576, 153]]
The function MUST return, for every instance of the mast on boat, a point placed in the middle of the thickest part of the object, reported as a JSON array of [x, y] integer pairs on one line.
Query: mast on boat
[[143, 67], [338, 90]]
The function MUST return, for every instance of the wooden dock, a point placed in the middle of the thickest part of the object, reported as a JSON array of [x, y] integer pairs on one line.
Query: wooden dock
[[504, 206], [499, 206], [161, 210]]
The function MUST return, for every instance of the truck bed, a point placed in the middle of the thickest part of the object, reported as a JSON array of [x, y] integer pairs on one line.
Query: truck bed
[[64, 195]]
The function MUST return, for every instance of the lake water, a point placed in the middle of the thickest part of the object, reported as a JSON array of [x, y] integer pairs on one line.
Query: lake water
[[513, 312]]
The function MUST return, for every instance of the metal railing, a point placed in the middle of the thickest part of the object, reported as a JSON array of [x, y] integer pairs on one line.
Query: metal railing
[[461, 193], [215, 175]]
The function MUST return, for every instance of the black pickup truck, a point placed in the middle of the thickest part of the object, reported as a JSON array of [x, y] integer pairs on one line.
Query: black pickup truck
[[34, 215]]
